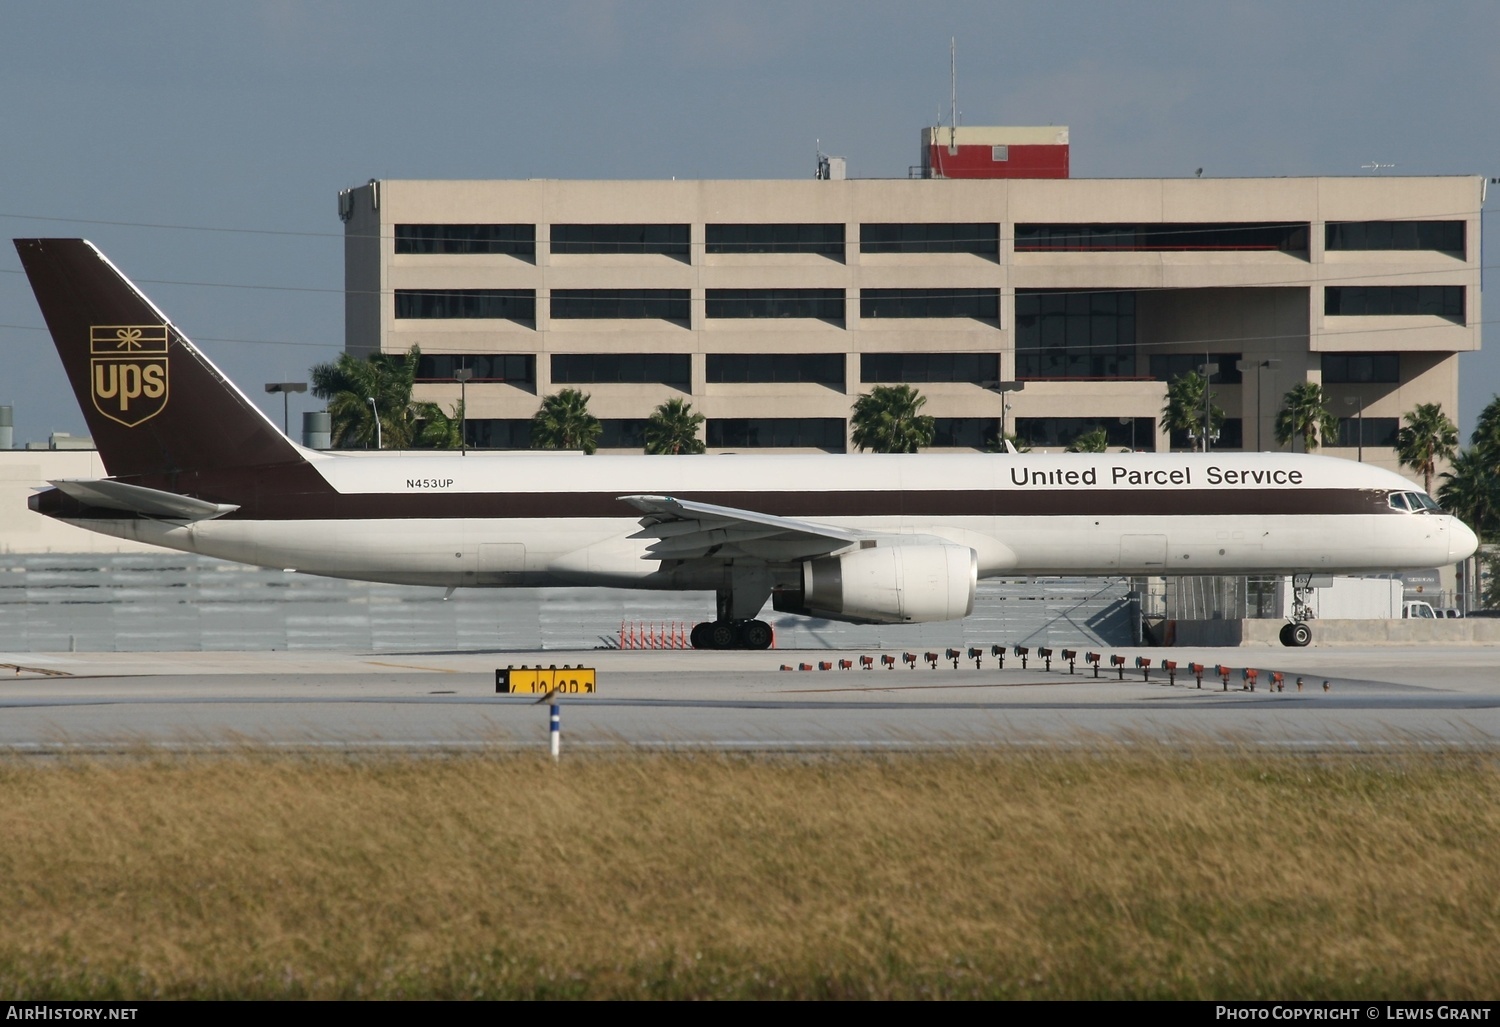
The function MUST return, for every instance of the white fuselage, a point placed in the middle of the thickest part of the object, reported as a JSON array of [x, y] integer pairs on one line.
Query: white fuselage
[[1083, 514]]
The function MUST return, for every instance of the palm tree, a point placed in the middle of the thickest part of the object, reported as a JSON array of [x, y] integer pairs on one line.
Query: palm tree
[[1304, 411], [672, 428], [886, 420], [1427, 438], [563, 421], [1487, 428], [996, 443], [1183, 410], [439, 430], [349, 384], [1471, 492], [1096, 441]]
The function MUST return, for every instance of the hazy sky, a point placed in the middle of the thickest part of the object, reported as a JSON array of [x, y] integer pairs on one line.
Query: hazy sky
[[202, 146]]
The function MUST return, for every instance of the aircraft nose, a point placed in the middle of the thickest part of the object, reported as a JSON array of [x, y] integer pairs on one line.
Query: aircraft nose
[[1462, 542]]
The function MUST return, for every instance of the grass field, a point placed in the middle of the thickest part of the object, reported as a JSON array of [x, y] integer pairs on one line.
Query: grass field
[[989, 873]]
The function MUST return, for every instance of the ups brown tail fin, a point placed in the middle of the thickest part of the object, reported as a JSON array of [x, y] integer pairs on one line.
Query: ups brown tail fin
[[154, 404]]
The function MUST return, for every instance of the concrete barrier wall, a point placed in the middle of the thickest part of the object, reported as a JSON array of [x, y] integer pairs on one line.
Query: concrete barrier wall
[[1477, 630]]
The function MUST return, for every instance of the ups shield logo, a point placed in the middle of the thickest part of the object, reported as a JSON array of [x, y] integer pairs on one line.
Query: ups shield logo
[[128, 371]]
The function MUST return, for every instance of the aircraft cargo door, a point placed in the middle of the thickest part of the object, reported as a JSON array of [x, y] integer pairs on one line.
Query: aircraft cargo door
[[500, 562], [1143, 554]]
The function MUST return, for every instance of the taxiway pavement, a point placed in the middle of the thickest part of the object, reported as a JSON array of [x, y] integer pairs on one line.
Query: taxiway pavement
[[1377, 697]]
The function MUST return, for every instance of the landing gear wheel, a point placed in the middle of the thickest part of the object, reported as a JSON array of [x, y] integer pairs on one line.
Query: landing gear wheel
[[1298, 635], [732, 634], [755, 634], [1286, 635], [722, 635]]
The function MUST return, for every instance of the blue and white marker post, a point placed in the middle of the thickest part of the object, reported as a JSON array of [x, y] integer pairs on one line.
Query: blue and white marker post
[[556, 730], [570, 680]]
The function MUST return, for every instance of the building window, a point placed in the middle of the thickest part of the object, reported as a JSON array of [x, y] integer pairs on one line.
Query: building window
[[825, 433], [966, 432], [1075, 334], [1361, 368], [929, 367], [1381, 300], [512, 368], [827, 240], [668, 240], [622, 433], [1289, 237], [999, 153], [1167, 366], [1378, 431], [515, 240], [817, 368], [982, 239], [675, 369], [1443, 236], [587, 304], [1231, 436], [980, 304], [497, 433], [492, 304], [1137, 433], [823, 304]]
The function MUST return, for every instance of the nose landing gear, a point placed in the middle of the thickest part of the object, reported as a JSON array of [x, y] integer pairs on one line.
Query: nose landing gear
[[1298, 633]]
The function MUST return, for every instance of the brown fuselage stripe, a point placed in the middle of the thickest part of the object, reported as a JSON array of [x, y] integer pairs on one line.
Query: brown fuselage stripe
[[300, 493]]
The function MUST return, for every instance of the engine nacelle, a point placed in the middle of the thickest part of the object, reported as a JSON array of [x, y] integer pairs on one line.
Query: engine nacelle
[[888, 585]]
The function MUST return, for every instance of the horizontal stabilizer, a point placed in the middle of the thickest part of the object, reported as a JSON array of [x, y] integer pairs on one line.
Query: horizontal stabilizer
[[116, 495]]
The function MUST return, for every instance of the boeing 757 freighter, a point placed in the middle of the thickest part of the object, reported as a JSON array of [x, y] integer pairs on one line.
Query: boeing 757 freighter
[[194, 465]]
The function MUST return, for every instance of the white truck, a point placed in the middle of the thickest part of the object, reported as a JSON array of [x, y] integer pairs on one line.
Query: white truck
[[1418, 609], [1350, 598]]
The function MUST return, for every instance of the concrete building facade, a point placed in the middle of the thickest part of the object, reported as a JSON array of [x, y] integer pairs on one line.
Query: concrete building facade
[[773, 305]]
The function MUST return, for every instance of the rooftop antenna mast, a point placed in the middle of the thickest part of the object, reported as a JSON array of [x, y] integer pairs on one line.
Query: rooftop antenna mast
[[953, 92]]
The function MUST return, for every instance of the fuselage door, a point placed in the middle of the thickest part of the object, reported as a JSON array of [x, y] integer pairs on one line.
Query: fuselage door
[[497, 559]]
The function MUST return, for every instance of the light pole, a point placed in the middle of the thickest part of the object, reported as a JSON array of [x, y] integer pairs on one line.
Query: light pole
[[1207, 369], [462, 376], [1245, 365], [284, 388], [1002, 388], [1359, 424], [1130, 421], [379, 444]]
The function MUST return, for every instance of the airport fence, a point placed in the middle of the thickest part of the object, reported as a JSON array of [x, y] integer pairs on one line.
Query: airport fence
[[176, 602]]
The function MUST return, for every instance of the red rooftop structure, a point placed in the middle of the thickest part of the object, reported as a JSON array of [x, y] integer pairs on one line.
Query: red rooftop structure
[[1009, 152]]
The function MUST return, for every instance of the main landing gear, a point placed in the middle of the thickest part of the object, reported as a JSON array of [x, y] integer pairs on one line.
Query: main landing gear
[[1298, 633], [731, 634], [744, 592]]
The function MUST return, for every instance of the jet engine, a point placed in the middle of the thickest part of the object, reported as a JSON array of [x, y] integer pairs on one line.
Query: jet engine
[[886, 585]]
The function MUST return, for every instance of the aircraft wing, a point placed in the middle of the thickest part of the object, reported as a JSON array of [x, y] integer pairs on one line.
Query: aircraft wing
[[685, 530]]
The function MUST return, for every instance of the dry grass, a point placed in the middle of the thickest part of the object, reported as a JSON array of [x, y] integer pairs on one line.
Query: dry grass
[[982, 874]]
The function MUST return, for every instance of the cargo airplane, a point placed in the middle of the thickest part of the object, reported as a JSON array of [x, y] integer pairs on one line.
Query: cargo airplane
[[194, 465]]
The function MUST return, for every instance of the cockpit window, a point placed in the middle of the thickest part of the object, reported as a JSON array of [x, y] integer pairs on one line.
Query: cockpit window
[[1413, 502]]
